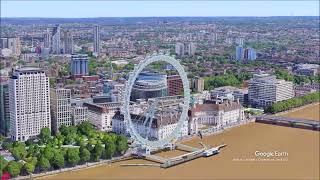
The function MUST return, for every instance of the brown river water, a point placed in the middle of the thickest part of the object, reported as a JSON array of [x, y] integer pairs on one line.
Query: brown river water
[[295, 156]]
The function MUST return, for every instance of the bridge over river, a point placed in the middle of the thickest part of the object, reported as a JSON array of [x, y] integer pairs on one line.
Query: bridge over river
[[290, 122]]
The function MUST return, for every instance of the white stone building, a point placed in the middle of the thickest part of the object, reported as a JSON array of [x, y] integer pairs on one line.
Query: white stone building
[[162, 125], [264, 90], [100, 115], [220, 116], [29, 103]]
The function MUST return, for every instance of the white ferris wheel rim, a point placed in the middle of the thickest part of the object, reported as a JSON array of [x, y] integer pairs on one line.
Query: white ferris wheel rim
[[184, 115]]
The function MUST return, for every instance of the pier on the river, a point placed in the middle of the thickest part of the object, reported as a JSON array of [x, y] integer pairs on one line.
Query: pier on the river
[[290, 122], [192, 153]]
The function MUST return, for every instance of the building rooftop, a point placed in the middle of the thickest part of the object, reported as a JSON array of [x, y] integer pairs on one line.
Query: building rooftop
[[29, 69]]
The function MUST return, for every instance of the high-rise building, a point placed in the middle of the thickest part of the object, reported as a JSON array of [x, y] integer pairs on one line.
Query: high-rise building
[[29, 103], [96, 43], [252, 54], [68, 42], [12, 43], [191, 49], [15, 45], [79, 65], [47, 39], [175, 85], [264, 90], [239, 53], [179, 49], [4, 109], [249, 54], [245, 54], [56, 40], [198, 84], [60, 108], [183, 49], [3, 43]]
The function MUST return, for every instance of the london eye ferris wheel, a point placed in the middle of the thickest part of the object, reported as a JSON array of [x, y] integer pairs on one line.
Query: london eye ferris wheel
[[155, 107]]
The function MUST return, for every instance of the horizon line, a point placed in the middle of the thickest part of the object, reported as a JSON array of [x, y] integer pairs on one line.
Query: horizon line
[[158, 17]]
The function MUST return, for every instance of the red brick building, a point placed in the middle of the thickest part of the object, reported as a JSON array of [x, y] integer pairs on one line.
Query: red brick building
[[175, 85]]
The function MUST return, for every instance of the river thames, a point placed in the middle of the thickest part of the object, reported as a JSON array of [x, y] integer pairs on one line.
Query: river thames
[[248, 155]]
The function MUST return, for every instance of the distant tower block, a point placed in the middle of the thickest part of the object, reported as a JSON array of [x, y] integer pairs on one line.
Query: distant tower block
[[79, 65], [96, 43], [68, 42], [56, 40]]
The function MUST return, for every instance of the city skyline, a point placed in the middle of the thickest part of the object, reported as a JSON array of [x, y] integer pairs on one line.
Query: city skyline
[[86, 9]]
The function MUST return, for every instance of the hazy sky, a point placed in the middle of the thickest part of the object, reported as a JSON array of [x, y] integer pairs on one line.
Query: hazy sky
[[157, 8]]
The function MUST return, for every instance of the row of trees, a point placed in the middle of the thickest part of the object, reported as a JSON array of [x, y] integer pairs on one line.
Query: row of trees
[[229, 79], [297, 79], [71, 146], [293, 103]]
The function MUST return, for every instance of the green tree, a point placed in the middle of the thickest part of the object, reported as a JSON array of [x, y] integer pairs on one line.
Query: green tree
[[48, 152], [58, 159], [80, 141], [85, 128], [69, 133], [43, 164], [282, 74], [91, 143], [14, 168], [301, 79], [45, 134], [33, 150], [121, 144], [52, 82], [218, 81], [3, 164], [28, 168], [293, 102], [33, 160], [110, 149], [7, 145], [60, 139], [18, 151], [96, 152], [72, 156], [84, 154]]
